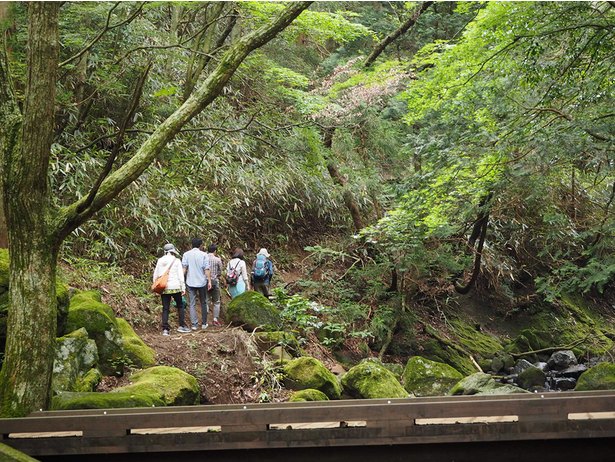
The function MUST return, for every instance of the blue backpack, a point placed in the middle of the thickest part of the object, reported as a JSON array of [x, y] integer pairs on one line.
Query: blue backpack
[[261, 269]]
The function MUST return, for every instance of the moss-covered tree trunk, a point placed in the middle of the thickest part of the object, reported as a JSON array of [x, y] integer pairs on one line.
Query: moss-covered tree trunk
[[35, 229], [26, 372]]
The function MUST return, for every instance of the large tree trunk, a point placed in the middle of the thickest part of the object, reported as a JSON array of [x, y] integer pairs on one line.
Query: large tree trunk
[[31, 328]]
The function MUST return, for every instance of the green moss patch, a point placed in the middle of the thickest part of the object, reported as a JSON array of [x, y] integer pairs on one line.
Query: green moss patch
[[423, 377], [4, 270], [172, 386], [370, 379], [474, 341], [599, 377], [308, 395], [483, 384], [252, 310], [568, 325], [307, 372], [137, 352], [93, 400]]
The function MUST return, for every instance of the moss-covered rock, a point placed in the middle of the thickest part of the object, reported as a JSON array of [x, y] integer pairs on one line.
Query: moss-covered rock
[[172, 386], [308, 395], [8, 454], [251, 310], [268, 340], [599, 377], [568, 322], [87, 310], [75, 355], [135, 349], [307, 372], [474, 340], [370, 379], [532, 377], [92, 400], [483, 384], [89, 381], [436, 351], [423, 377]]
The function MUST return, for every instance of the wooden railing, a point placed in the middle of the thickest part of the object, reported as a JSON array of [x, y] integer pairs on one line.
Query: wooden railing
[[333, 423]]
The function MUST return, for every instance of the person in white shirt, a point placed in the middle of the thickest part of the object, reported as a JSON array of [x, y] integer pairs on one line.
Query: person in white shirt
[[238, 265], [176, 287]]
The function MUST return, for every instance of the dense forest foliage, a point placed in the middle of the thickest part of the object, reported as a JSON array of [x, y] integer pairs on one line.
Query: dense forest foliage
[[414, 150]]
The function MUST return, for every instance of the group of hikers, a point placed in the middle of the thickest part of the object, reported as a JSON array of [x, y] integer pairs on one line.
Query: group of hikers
[[201, 274]]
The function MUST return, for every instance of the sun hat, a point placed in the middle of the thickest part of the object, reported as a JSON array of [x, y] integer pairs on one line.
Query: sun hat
[[170, 248], [263, 252]]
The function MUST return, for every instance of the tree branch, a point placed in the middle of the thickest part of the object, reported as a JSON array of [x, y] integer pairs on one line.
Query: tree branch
[[379, 48], [106, 29], [70, 218], [134, 104], [569, 118]]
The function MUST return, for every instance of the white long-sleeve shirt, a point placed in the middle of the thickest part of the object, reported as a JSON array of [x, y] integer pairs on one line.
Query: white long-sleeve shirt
[[241, 268], [176, 275]]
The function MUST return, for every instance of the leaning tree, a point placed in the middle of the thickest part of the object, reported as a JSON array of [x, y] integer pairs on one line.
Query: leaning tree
[[37, 228]]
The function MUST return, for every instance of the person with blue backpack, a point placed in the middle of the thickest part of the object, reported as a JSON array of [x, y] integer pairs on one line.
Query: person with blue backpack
[[262, 272]]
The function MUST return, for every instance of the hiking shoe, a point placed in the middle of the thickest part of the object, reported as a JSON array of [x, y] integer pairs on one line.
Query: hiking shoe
[[183, 329], [165, 332], [216, 323], [194, 328], [204, 326]]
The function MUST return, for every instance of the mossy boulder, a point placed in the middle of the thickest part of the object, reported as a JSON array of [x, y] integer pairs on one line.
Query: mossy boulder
[[501, 361], [92, 400], [532, 377], [75, 355], [423, 377], [135, 349], [483, 384], [599, 377], [308, 395], [172, 386], [87, 310], [251, 310], [569, 321], [473, 339], [370, 379], [8, 454], [268, 340], [307, 372], [89, 381]]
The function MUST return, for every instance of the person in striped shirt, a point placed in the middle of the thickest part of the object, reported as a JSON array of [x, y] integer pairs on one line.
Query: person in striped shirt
[[213, 294]]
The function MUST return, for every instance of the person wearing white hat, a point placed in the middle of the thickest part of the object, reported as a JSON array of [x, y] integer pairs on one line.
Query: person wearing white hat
[[262, 272], [175, 288]]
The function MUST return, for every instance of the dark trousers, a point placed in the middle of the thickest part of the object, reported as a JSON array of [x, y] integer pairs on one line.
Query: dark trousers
[[261, 286], [166, 305]]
